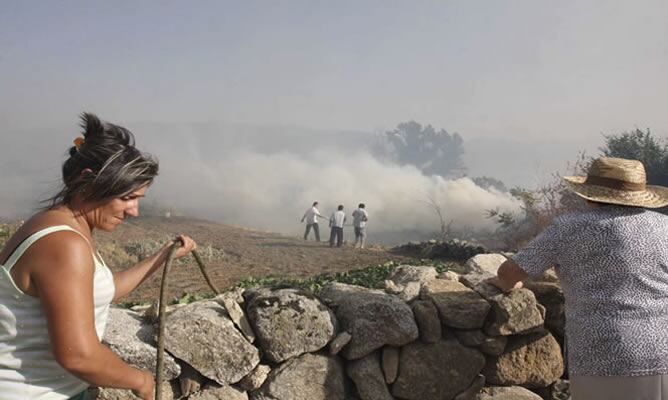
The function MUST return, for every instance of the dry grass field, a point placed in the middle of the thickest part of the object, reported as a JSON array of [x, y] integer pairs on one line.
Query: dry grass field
[[230, 253]]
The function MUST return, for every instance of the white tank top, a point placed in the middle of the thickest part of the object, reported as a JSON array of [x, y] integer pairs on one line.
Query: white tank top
[[28, 369]]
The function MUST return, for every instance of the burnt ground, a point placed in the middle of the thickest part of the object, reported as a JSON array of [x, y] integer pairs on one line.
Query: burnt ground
[[245, 253]]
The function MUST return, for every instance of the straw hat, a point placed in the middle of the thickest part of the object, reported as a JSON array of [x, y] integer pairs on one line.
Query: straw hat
[[618, 181]]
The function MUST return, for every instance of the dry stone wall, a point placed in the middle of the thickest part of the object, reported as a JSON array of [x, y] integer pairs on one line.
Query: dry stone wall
[[424, 337]]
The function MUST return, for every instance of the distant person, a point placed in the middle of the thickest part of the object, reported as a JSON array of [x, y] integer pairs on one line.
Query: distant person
[[336, 222], [612, 261], [311, 216], [360, 216], [55, 290]]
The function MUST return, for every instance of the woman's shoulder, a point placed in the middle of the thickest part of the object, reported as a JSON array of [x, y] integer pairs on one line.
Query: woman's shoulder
[[48, 219], [59, 244], [44, 220]]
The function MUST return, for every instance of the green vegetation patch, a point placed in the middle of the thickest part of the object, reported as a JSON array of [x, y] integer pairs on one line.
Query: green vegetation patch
[[371, 277]]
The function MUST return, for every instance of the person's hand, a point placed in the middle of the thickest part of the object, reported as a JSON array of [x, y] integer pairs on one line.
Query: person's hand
[[147, 390], [187, 245]]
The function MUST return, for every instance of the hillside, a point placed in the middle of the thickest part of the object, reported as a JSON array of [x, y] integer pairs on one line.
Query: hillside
[[230, 253]]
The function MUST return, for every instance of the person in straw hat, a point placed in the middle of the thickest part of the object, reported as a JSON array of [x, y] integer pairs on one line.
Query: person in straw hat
[[612, 262]]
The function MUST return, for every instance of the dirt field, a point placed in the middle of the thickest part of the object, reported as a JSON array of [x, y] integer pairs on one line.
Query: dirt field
[[245, 253]]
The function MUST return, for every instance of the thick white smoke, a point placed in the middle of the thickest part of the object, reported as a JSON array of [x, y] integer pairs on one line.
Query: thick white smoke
[[271, 191], [266, 179]]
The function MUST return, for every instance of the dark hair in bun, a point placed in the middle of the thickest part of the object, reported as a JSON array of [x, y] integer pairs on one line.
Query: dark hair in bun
[[117, 167]]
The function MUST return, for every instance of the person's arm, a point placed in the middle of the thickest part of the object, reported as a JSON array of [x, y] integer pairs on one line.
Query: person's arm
[[127, 280], [65, 290], [541, 253]]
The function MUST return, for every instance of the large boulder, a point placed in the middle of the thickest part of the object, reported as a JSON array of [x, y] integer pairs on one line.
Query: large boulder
[[218, 392], [473, 279], [390, 363], [133, 341], [458, 306], [532, 361], [493, 345], [170, 391], [436, 371], [429, 324], [233, 300], [255, 379], [373, 318], [202, 335], [404, 274], [484, 263], [307, 377], [507, 393], [368, 377], [290, 322], [551, 296], [339, 342], [406, 280], [514, 312]]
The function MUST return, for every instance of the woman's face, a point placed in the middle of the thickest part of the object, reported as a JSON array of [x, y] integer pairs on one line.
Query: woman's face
[[112, 213]]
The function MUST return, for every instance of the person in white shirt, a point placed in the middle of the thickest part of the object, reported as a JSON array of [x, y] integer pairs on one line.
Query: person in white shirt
[[311, 216], [55, 289], [360, 216], [336, 222]]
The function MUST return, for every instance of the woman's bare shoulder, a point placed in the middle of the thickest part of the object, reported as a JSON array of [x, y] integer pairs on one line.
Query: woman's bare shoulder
[[37, 222], [45, 219]]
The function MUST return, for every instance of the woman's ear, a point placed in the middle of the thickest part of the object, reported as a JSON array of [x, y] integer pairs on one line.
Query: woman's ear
[[86, 172]]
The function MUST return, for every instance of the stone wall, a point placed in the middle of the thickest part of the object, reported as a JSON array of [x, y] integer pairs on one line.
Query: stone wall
[[423, 337]]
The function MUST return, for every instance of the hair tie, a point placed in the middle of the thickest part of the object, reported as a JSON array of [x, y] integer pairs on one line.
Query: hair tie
[[78, 142]]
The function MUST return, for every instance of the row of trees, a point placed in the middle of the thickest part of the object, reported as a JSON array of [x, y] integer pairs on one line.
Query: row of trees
[[434, 152], [437, 152], [542, 204], [639, 145]]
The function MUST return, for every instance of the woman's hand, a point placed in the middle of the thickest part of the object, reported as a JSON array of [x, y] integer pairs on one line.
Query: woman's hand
[[187, 245], [509, 276], [147, 390]]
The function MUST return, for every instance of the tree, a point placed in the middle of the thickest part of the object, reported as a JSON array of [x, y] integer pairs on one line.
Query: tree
[[642, 146], [433, 152], [445, 227], [539, 206], [487, 182]]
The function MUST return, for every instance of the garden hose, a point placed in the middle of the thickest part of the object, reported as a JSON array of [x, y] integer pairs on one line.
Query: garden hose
[[160, 362]]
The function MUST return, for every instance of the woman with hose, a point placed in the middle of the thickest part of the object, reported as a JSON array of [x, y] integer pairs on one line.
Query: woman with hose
[[55, 289]]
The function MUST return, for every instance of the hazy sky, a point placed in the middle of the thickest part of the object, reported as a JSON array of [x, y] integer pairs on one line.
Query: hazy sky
[[526, 83], [566, 69]]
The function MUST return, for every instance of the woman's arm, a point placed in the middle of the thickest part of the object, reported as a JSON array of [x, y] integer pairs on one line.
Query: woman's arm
[[65, 290], [128, 279]]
